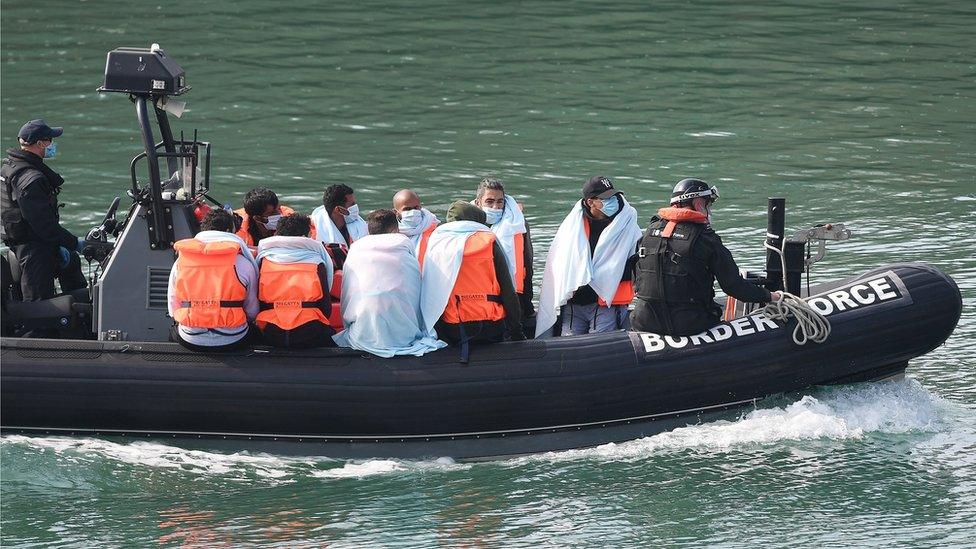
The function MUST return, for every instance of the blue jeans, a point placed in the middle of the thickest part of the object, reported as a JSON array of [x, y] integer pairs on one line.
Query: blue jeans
[[591, 319]]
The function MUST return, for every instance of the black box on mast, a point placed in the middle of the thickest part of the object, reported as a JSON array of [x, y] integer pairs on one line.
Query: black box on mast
[[144, 71]]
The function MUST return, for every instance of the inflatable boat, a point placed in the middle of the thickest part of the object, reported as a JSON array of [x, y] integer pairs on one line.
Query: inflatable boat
[[511, 398], [110, 371]]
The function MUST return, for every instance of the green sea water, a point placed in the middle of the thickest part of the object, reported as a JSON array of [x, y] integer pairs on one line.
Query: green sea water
[[862, 112]]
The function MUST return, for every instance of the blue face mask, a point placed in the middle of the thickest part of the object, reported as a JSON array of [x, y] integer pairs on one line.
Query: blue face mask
[[51, 150], [611, 206], [493, 215]]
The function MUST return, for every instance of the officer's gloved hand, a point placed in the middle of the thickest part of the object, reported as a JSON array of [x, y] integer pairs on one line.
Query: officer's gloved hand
[[64, 256]]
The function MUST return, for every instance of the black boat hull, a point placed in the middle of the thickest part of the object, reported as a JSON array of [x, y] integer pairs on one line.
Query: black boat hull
[[513, 398]]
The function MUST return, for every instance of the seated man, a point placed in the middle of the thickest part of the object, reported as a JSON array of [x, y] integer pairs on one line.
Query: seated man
[[505, 219], [416, 221], [337, 224], [680, 257], [260, 215], [213, 287], [296, 274], [468, 290], [337, 220], [589, 268], [381, 294], [31, 220]]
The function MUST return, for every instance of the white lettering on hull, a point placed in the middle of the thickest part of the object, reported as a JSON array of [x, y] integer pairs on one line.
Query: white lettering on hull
[[862, 294]]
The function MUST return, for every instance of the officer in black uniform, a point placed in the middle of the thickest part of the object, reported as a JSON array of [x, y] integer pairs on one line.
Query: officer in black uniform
[[679, 259], [31, 227]]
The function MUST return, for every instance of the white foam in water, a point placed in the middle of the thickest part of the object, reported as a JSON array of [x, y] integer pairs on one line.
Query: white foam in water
[[151, 454], [364, 469], [841, 413], [372, 467]]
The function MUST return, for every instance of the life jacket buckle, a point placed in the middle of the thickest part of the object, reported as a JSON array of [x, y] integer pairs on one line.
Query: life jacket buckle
[[642, 252]]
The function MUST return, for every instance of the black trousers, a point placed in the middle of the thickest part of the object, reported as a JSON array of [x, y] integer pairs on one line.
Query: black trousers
[[308, 335], [40, 264], [476, 332]]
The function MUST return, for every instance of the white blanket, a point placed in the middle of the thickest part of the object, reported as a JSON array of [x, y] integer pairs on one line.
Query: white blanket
[[326, 231], [295, 249], [569, 265], [381, 299], [511, 224], [442, 263]]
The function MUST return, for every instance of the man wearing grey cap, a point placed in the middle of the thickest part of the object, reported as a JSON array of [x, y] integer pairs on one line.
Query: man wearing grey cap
[[31, 224]]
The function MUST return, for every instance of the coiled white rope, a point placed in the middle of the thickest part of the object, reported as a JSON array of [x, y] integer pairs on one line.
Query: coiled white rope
[[811, 325]]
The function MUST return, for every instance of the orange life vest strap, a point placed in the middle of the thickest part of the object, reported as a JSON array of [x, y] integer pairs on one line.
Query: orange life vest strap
[[669, 229], [320, 304], [479, 297], [210, 304], [519, 247]]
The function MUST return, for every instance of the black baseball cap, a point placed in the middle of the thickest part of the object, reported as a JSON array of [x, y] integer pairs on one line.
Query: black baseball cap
[[599, 187], [37, 129]]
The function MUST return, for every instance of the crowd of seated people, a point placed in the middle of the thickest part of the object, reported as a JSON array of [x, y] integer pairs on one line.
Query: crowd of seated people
[[401, 282]]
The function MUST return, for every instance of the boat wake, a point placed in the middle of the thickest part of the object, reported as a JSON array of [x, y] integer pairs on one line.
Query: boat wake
[[837, 413], [833, 413]]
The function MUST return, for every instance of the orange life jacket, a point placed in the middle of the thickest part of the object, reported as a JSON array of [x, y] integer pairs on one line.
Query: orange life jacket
[[625, 290], [244, 231], [424, 239], [291, 294], [476, 294], [209, 293]]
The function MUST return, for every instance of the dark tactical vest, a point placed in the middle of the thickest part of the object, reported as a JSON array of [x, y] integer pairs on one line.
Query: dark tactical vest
[[15, 229], [668, 270]]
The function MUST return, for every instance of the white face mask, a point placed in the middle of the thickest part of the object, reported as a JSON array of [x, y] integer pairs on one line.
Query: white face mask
[[410, 219], [353, 214], [493, 215], [272, 223]]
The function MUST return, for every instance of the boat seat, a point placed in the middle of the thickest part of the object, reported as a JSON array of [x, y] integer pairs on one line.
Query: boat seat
[[11, 276], [57, 309], [69, 310]]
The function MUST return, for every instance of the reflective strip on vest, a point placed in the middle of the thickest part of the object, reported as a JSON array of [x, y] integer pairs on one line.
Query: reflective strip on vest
[[476, 295], [207, 287], [291, 294]]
